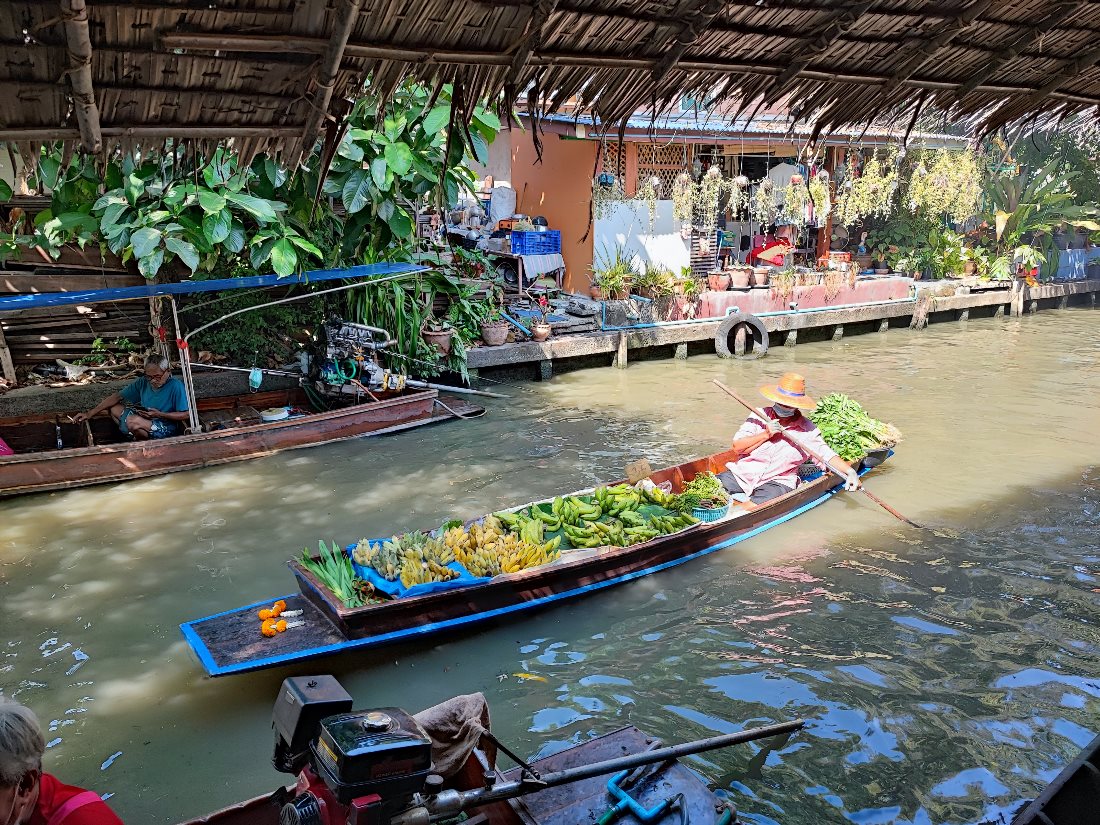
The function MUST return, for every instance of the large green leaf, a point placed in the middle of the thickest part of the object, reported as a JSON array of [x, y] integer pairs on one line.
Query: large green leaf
[[436, 120], [186, 252], [133, 188], [216, 227], [284, 260], [144, 241], [378, 170], [262, 210], [487, 119], [50, 170], [305, 245], [113, 197], [150, 264], [425, 169], [480, 148], [5, 190], [235, 241], [399, 157], [113, 215], [275, 173], [350, 149], [211, 202], [260, 252], [400, 223], [356, 193]]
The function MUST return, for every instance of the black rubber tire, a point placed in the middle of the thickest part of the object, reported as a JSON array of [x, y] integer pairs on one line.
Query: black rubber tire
[[723, 337]]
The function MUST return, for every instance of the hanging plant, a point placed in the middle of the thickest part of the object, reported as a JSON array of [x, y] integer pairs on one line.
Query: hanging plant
[[945, 182], [795, 198], [870, 193], [607, 193], [708, 195], [650, 192], [820, 195], [683, 198], [763, 203]]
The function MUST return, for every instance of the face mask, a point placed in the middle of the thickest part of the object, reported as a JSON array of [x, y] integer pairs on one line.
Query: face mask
[[783, 412]]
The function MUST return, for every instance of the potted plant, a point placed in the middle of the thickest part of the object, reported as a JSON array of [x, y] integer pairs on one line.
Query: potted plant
[[494, 330], [654, 282], [540, 327], [761, 275], [740, 277], [878, 258], [615, 274], [683, 203], [718, 281], [438, 333]]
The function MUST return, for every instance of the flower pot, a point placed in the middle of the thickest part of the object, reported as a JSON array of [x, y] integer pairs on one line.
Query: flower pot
[[494, 333], [596, 293], [761, 275], [646, 292], [882, 270], [740, 278], [540, 332], [970, 268], [438, 338], [718, 281], [621, 294]]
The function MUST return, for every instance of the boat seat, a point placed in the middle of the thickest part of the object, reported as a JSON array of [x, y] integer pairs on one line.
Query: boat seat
[[225, 419]]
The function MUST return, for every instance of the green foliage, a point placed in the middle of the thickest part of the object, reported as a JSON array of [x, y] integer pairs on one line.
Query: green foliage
[[705, 490], [333, 569], [614, 271], [868, 192], [945, 182], [848, 429]]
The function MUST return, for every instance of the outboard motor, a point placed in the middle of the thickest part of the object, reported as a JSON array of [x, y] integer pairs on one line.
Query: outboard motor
[[345, 352], [354, 767]]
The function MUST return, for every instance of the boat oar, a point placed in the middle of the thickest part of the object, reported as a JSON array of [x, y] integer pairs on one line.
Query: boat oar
[[816, 457]]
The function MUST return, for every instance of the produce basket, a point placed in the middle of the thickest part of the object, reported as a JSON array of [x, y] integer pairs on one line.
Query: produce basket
[[708, 514], [536, 243]]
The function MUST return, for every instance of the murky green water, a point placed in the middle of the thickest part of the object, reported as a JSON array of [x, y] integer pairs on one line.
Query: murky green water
[[945, 675]]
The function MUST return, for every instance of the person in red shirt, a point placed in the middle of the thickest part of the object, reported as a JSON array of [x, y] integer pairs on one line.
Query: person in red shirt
[[27, 795]]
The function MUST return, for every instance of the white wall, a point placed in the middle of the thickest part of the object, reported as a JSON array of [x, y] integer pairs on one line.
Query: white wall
[[627, 225]]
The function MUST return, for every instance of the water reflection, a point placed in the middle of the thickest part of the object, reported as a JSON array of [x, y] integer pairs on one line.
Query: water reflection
[[945, 675]]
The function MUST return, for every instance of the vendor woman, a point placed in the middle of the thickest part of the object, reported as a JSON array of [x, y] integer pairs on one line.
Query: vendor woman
[[768, 463]]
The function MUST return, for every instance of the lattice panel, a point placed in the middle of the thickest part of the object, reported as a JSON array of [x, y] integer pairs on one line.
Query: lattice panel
[[664, 163], [614, 160]]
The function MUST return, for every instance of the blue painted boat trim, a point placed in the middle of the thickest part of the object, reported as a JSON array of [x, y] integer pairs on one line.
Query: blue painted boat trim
[[423, 630]]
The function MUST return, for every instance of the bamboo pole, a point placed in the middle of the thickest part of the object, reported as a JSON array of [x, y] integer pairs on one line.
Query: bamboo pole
[[185, 367], [75, 15], [330, 66]]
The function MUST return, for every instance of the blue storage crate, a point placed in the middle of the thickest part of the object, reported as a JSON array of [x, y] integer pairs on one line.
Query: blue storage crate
[[536, 243]]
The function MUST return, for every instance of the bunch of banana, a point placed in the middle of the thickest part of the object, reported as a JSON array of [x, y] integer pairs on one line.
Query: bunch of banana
[[552, 520], [437, 551], [387, 558], [655, 495], [618, 499], [672, 524], [575, 511], [417, 571], [631, 518]]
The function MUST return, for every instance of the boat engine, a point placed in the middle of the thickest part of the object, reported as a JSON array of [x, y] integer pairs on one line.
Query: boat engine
[[354, 767], [344, 353]]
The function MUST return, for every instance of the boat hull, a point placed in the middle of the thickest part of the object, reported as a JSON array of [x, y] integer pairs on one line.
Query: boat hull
[[36, 472], [230, 642]]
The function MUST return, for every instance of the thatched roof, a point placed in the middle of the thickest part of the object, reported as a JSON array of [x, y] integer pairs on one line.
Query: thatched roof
[[274, 72]]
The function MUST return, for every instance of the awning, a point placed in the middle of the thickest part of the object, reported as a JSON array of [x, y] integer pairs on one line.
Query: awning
[[131, 293]]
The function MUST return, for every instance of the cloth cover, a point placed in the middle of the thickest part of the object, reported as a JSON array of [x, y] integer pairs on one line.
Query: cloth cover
[[456, 727]]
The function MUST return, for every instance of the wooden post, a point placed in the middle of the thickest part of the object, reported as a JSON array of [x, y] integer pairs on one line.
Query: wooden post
[[1063, 302], [1032, 307], [7, 367], [330, 66], [838, 332], [792, 338], [546, 370], [884, 325], [740, 340], [999, 311], [962, 315], [681, 352], [621, 352], [74, 14], [1019, 291]]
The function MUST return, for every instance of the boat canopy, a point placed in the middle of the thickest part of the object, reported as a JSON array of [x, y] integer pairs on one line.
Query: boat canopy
[[129, 293]]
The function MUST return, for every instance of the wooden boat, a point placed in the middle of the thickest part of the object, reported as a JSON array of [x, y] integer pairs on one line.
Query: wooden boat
[[230, 642], [1071, 797], [583, 801], [96, 453]]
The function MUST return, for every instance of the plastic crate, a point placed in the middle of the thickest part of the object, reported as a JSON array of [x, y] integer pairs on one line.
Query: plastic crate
[[536, 243]]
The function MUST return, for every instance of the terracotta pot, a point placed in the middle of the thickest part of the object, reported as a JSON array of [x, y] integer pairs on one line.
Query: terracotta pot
[[761, 275], [540, 332], [494, 333], [596, 293], [438, 338], [740, 278], [885, 270], [970, 268], [621, 294], [718, 281], [646, 292]]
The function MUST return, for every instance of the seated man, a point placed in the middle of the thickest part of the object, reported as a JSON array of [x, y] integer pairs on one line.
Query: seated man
[[27, 794], [153, 406], [768, 464]]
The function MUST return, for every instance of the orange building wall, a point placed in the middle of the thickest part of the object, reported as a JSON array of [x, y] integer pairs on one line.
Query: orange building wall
[[560, 188]]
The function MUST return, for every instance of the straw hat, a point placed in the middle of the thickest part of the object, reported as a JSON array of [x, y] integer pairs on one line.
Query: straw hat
[[790, 392]]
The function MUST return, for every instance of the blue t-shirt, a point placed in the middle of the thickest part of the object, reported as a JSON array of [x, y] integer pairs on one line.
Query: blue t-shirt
[[172, 397]]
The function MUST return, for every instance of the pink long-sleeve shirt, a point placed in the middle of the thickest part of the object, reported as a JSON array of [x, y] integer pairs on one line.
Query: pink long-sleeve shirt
[[776, 459]]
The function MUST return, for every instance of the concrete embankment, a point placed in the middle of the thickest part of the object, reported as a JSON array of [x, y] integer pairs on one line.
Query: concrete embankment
[[784, 327]]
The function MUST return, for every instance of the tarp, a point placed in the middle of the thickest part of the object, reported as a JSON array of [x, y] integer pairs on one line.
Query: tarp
[[399, 591], [130, 293]]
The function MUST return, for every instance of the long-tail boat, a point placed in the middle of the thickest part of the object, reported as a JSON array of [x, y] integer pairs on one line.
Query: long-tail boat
[[51, 452], [230, 642]]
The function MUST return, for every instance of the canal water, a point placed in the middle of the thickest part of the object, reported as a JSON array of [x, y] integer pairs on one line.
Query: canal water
[[945, 675]]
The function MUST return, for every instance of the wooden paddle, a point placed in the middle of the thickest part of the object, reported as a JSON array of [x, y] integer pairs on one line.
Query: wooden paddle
[[816, 457]]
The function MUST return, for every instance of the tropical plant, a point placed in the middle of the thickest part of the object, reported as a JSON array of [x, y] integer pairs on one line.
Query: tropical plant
[[795, 198], [614, 271], [945, 182], [708, 196], [607, 194], [655, 278], [683, 198], [870, 192]]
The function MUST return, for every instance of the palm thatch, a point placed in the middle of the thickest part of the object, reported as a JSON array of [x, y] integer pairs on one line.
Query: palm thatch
[[273, 74]]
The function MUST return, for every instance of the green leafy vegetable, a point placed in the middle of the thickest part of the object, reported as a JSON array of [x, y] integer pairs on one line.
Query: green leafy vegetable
[[705, 490], [848, 429], [333, 569]]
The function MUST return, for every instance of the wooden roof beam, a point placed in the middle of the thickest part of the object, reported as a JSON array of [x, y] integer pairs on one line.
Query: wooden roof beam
[[74, 14], [1070, 70], [1062, 10], [168, 130], [922, 49], [693, 24], [839, 23], [330, 67]]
